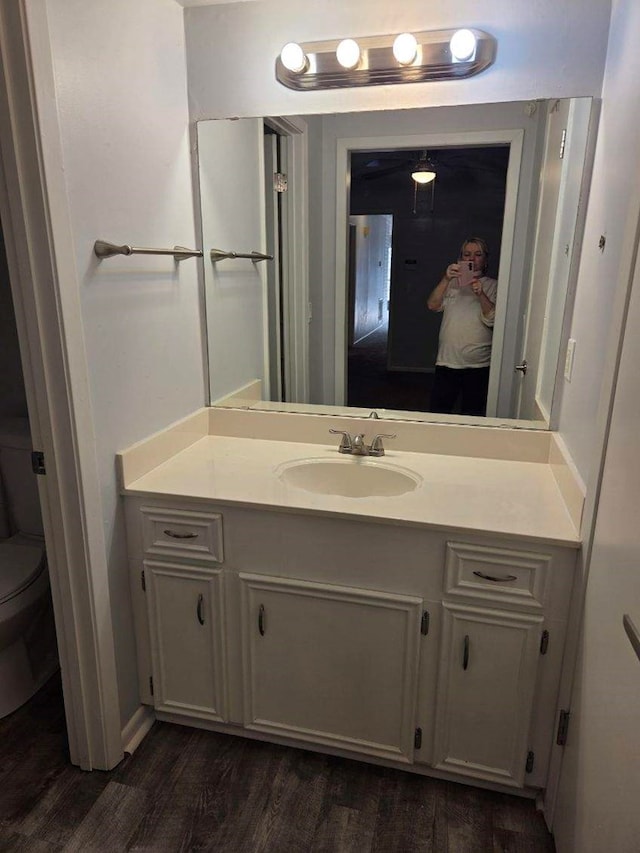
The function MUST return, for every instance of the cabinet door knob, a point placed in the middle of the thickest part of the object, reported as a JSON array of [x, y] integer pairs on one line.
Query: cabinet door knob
[[200, 609], [261, 620], [497, 578], [465, 653]]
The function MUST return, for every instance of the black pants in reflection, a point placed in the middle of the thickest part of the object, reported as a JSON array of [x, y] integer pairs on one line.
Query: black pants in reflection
[[468, 384]]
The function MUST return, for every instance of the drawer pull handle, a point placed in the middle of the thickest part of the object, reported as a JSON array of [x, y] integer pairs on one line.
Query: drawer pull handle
[[261, 620], [465, 654], [174, 535], [200, 609], [496, 578]]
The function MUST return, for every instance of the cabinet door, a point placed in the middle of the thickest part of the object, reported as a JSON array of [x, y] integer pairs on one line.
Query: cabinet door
[[187, 639], [331, 665], [485, 693]]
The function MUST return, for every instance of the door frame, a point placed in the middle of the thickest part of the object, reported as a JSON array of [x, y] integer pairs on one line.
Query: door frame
[[40, 252], [514, 138], [296, 315], [544, 398]]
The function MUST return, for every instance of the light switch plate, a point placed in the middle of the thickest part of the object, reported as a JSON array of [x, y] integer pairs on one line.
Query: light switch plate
[[568, 362]]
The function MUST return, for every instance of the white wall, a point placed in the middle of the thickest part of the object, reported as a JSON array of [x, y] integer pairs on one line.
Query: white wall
[[612, 213], [120, 80], [547, 48], [597, 806]]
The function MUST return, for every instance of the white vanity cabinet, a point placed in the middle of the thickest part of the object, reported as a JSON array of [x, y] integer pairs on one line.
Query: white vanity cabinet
[[390, 642], [501, 650], [330, 664], [177, 584], [485, 692], [186, 633]]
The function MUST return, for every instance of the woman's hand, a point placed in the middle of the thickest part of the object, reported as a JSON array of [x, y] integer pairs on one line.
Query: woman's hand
[[452, 271], [476, 286]]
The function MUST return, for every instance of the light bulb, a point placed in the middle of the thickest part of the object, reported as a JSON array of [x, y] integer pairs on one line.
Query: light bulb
[[423, 177], [463, 45], [348, 53], [405, 48], [293, 57]]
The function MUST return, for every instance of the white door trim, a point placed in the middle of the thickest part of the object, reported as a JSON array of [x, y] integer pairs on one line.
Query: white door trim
[[296, 307], [515, 139], [45, 287]]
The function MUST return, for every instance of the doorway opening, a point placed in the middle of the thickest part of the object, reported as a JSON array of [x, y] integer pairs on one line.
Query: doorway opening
[[392, 365], [28, 645]]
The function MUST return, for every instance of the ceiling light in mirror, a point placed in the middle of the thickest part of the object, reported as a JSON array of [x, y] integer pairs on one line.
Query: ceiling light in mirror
[[424, 171]]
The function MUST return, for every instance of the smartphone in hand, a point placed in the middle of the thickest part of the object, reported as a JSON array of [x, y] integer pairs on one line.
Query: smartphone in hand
[[466, 273]]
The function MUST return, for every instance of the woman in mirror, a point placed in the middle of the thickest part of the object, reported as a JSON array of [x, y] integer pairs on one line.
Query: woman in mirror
[[466, 296]]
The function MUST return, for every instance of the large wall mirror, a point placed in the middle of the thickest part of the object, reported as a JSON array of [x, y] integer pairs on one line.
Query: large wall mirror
[[338, 320]]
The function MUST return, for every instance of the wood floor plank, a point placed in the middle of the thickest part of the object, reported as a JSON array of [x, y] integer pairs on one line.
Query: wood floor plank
[[343, 829], [110, 822], [350, 806], [55, 816], [406, 814], [166, 824], [15, 842], [29, 779], [468, 814], [288, 822], [514, 815], [507, 841]]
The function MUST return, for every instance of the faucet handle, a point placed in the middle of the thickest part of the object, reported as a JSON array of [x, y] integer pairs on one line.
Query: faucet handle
[[346, 445], [377, 448]]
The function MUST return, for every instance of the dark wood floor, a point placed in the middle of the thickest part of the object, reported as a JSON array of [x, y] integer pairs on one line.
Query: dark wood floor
[[191, 790], [371, 385]]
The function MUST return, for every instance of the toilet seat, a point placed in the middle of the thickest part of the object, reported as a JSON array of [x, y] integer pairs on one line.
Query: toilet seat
[[20, 566]]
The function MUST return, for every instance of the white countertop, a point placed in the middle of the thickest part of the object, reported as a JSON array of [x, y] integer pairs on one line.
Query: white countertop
[[458, 493]]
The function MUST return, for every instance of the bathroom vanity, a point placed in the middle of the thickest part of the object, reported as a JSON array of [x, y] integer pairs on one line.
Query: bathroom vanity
[[419, 623]]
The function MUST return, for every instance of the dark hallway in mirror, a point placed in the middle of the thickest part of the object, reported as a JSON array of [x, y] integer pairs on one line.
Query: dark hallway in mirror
[[392, 336]]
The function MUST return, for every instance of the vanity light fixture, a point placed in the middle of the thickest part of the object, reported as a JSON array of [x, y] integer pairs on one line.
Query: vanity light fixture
[[377, 60]]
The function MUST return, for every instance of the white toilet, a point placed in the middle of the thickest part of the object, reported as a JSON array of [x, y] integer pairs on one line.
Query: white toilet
[[28, 653]]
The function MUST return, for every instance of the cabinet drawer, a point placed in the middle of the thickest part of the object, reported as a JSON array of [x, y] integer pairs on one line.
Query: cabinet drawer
[[500, 575], [182, 533]]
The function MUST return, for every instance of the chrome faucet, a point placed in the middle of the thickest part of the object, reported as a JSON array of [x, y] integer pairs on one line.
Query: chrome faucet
[[357, 445]]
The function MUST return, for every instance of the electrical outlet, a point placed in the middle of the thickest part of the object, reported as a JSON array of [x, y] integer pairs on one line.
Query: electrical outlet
[[568, 362]]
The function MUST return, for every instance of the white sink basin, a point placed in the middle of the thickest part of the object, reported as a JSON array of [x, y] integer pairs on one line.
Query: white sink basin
[[350, 477]]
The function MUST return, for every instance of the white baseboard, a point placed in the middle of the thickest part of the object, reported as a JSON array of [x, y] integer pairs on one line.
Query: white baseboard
[[137, 728]]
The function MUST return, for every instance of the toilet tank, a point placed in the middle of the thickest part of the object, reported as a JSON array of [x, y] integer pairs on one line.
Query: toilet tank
[[20, 487]]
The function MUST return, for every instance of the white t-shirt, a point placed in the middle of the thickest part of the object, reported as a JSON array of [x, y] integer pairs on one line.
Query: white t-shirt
[[465, 334]]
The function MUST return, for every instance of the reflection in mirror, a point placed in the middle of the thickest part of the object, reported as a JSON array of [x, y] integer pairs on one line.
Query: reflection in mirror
[[340, 317]]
